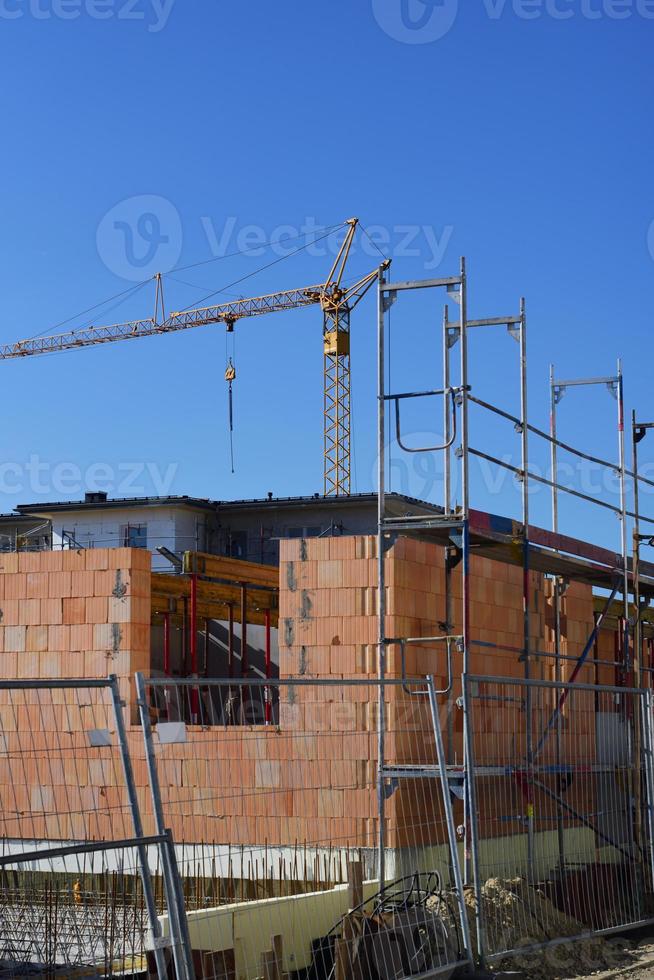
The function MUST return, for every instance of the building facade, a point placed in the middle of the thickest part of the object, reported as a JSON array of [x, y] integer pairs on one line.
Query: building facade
[[246, 529]]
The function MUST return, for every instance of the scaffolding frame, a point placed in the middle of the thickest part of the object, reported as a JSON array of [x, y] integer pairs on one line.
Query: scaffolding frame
[[551, 553]]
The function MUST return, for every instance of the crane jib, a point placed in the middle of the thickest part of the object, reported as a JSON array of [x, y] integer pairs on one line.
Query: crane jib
[[336, 299], [133, 329]]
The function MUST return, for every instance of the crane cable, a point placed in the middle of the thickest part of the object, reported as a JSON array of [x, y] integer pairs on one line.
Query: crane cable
[[230, 377], [230, 370], [261, 268]]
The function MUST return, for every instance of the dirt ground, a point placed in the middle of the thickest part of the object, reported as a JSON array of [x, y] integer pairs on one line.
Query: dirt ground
[[634, 960], [643, 952], [517, 915]]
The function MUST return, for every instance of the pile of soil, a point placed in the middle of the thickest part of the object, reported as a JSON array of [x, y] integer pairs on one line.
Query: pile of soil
[[517, 915]]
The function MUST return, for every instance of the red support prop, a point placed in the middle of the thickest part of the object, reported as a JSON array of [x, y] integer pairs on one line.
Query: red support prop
[[166, 644], [245, 698], [244, 632], [193, 644], [166, 659], [230, 643], [268, 668]]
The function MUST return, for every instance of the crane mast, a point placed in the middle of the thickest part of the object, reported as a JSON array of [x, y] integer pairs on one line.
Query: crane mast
[[336, 302]]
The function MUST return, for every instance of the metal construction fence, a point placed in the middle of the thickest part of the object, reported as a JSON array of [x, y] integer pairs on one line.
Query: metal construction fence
[[277, 822], [77, 894], [561, 803]]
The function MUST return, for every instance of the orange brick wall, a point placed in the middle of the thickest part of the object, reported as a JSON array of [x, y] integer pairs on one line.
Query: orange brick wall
[[328, 605], [67, 614], [75, 613], [328, 628]]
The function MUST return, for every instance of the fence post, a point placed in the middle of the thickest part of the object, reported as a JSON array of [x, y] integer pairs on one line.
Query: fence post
[[354, 883], [176, 911], [128, 772], [449, 819], [278, 950], [473, 815], [648, 748]]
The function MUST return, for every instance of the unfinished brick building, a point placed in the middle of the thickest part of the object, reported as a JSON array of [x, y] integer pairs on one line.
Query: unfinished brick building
[[305, 774]]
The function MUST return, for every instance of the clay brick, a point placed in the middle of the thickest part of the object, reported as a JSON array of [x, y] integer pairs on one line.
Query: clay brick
[[59, 584], [106, 635], [140, 559], [96, 559], [36, 638], [97, 608], [119, 557], [72, 559], [140, 583], [74, 611], [30, 561], [59, 638], [358, 630], [81, 637], [317, 660], [50, 665], [15, 586], [330, 574], [329, 630], [318, 549], [141, 610], [82, 583], [9, 563], [51, 561], [366, 546], [343, 548], [122, 610], [289, 550], [104, 582], [29, 612], [342, 660], [15, 639], [135, 636], [341, 602], [52, 611], [10, 612], [37, 585], [28, 667]]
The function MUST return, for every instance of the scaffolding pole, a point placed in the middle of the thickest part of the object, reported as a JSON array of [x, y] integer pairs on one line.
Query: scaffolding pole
[[388, 528], [638, 432], [517, 329], [381, 574]]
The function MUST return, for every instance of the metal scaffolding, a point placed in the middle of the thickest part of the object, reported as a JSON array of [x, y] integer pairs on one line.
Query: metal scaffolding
[[459, 528]]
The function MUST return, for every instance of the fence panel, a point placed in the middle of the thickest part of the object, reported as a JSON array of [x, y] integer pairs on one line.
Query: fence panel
[[76, 888], [273, 797], [560, 793]]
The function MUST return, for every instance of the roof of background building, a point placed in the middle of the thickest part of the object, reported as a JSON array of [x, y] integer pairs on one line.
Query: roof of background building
[[117, 502], [320, 500], [20, 520], [215, 506]]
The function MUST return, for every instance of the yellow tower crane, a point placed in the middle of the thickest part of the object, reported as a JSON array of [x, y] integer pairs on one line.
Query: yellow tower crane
[[336, 301]]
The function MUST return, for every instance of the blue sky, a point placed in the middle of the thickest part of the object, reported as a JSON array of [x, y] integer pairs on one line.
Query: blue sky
[[521, 137]]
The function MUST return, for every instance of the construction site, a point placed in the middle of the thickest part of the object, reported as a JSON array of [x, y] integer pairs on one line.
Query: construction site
[[415, 743]]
